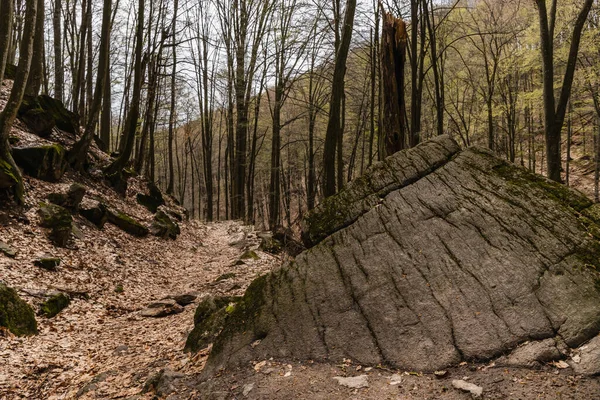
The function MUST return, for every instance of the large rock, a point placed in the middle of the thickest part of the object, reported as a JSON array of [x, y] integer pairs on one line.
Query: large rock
[[42, 113], [163, 226], [434, 257], [16, 315], [71, 199], [45, 162], [94, 211], [209, 319], [127, 223], [153, 199], [59, 220]]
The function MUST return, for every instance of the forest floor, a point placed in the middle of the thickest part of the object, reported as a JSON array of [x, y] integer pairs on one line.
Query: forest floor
[[102, 348]]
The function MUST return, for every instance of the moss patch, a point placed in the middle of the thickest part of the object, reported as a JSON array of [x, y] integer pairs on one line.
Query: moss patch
[[522, 179], [209, 319], [15, 314], [127, 223]]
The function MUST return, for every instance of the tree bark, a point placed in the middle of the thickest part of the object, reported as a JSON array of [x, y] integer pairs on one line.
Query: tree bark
[[8, 115], [333, 124]]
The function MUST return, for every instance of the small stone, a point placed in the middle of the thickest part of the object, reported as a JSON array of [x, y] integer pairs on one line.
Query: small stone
[[589, 358], [184, 299], [238, 240], [48, 263], [247, 389], [249, 255], [476, 391], [395, 380], [7, 250], [440, 374], [353, 382], [162, 308]]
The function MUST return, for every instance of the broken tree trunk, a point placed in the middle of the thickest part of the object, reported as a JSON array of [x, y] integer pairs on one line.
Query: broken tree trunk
[[393, 58]]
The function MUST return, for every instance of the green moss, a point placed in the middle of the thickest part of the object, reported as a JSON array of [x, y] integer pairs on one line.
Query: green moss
[[15, 314], [127, 223], [522, 179], [209, 319], [48, 263], [119, 289], [55, 305], [249, 255]]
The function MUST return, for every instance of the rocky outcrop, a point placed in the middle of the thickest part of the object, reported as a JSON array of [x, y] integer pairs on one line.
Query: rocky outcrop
[[209, 319], [15, 314], [45, 162], [42, 113], [152, 200], [433, 257]]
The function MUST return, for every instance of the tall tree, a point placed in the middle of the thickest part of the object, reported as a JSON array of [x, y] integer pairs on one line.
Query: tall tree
[[131, 120], [173, 111], [59, 73], [8, 168], [554, 112], [77, 155], [36, 74], [7, 10], [335, 104]]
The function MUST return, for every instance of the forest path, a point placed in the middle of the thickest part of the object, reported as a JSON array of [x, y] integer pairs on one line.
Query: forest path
[[103, 347]]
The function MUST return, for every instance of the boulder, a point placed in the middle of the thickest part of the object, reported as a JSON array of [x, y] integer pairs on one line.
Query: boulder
[[163, 226], [43, 112], [586, 360], [153, 200], [15, 314], [71, 199], [434, 257], [94, 211], [55, 304], [209, 319], [45, 162], [533, 354], [184, 299], [126, 223], [59, 220]]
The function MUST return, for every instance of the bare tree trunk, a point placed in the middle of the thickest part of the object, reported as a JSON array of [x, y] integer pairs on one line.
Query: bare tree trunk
[[173, 112], [7, 10], [77, 155], [59, 73], [393, 57], [8, 115], [36, 74], [134, 111], [333, 125]]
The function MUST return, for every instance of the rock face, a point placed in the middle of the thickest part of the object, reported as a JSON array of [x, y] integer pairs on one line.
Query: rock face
[[42, 113], [436, 256], [16, 315], [153, 200], [47, 163]]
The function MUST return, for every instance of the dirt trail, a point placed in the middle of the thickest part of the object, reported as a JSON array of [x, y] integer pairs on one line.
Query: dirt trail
[[102, 347]]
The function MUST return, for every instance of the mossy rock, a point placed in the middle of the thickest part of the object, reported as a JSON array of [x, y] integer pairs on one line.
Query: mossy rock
[[39, 121], [209, 320], [95, 212], [53, 110], [224, 277], [118, 181], [163, 226], [59, 220], [8, 178], [153, 200], [48, 263], [71, 199], [15, 314], [45, 162], [55, 305], [127, 223]]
